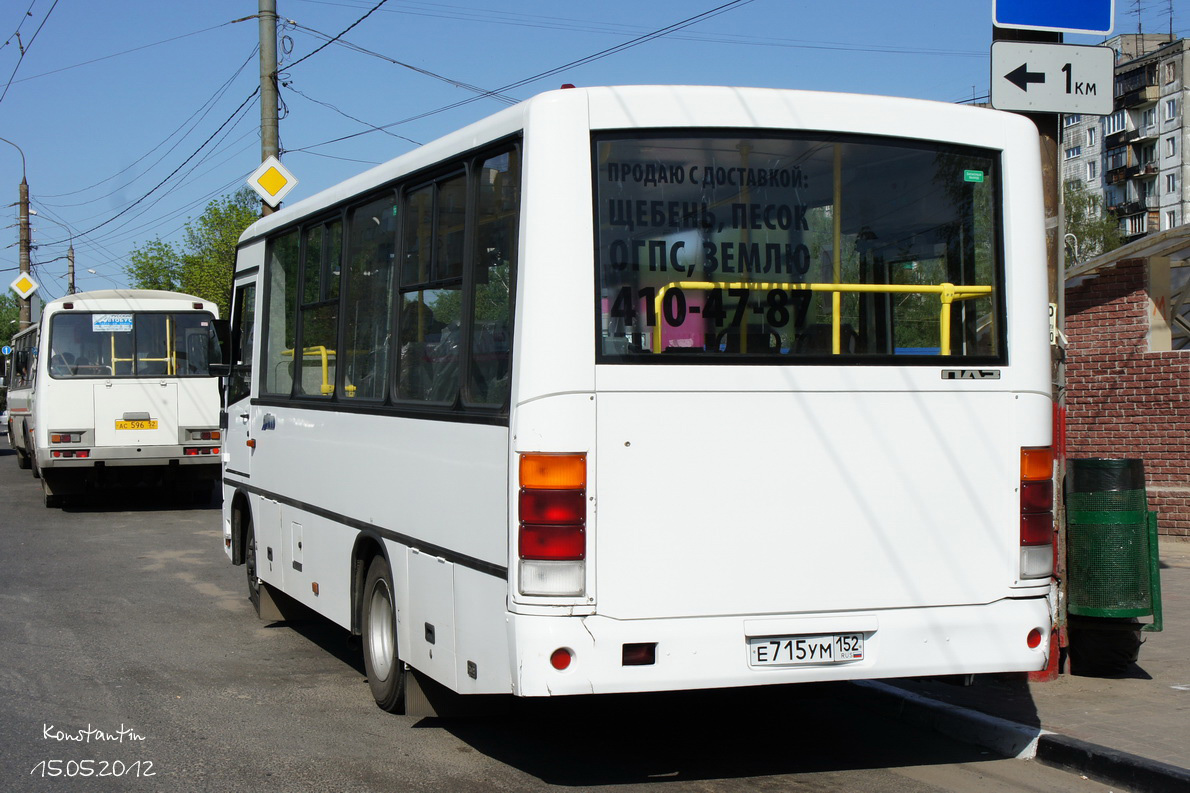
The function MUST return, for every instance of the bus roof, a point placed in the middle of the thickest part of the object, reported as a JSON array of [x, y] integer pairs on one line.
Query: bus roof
[[675, 106], [103, 298]]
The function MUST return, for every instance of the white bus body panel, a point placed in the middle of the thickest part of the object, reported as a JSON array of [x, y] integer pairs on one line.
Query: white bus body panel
[[724, 501]]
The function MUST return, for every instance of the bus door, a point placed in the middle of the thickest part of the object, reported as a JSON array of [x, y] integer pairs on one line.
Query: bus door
[[236, 415]]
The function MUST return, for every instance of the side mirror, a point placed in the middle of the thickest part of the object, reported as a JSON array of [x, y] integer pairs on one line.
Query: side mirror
[[219, 369], [217, 341]]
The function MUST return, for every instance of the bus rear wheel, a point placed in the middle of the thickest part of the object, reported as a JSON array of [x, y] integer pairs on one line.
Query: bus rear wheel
[[386, 674], [31, 450], [22, 454], [250, 557]]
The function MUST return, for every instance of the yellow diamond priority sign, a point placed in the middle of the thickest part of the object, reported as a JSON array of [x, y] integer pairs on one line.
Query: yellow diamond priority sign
[[271, 181], [24, 286]]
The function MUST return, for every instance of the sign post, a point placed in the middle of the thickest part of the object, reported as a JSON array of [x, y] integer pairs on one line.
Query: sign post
[[1039, 24]]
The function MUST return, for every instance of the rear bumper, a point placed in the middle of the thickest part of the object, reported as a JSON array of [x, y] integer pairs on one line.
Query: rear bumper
[[712, 652], [131, 456]]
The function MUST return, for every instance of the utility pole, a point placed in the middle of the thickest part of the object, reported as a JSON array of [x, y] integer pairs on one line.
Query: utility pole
[[26, 316], [269, 141], [70, 269]]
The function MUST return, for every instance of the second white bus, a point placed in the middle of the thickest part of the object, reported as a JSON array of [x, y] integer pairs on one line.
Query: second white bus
[[112, 388], [654, 388]]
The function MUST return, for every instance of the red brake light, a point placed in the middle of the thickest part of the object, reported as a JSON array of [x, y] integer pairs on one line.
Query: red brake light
[[1037, 496], [553, 506], [1037, 529], [566, 543]]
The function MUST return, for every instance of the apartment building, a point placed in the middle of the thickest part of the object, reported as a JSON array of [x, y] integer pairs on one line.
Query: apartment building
[[1136, 158]]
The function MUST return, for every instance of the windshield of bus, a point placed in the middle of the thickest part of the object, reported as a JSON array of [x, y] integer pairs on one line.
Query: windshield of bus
[[806, 248], [131, 344]]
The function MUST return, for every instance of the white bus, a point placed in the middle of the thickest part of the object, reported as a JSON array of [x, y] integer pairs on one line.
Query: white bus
[[113, 388], [655, 388], [18, 382]]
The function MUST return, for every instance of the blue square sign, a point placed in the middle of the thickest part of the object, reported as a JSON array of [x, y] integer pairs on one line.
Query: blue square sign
[[1064, 16]]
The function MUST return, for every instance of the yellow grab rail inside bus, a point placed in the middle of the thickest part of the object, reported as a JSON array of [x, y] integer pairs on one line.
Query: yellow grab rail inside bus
[[324, 355], [947, 294]]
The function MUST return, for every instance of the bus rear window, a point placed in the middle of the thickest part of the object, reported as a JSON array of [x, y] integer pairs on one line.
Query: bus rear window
[[796, 248], [131, 344]]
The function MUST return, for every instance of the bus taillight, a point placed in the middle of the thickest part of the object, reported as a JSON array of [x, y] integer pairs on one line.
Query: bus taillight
[[1037, 512], [551, 540]]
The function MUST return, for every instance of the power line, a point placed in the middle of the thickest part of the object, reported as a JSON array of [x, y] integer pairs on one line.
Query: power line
[[450, 81], [564, 23], [175, 170], [124, 52], [327, 105], [25, 49], [202, 111], [331, 41], [549, 73]]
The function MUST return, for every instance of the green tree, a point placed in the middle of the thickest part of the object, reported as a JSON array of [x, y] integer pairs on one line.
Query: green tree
[[1096, 229], [203, 263], [10, 314]]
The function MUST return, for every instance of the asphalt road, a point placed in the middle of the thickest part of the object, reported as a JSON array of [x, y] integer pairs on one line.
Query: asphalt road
[[132, 660]]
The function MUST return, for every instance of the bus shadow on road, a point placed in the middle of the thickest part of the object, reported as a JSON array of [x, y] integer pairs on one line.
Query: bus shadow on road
[[724, 733], [139, 499]]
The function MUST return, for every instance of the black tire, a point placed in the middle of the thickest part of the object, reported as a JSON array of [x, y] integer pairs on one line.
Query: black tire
[[245, 519], [1102, 647], [32, 452], [386, 673], [22, 456]]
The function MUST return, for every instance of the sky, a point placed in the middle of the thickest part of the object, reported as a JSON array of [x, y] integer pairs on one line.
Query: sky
[[129, 117]]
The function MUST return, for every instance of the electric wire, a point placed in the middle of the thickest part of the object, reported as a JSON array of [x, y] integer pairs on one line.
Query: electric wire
[[170, 176], [25, 49], [550, 72], [201, 113]]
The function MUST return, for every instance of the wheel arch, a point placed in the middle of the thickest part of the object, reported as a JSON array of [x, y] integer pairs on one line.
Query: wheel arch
[[368, 545], [240, 506]]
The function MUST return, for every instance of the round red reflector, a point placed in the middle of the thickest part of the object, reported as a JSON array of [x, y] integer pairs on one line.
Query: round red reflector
[[560, 658], [1034, 638]]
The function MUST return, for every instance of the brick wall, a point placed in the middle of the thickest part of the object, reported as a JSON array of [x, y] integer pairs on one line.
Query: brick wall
[[1121, 399]]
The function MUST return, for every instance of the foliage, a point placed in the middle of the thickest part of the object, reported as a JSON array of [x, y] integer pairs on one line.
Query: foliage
[[203, 263], [1096, 229], [10, 313]]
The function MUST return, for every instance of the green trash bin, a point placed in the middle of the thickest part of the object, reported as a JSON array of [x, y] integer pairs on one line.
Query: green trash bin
[[1111, 543]]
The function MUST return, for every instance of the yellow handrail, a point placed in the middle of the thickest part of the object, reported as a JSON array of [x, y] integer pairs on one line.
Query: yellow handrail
[[947, 294], [325, 354]]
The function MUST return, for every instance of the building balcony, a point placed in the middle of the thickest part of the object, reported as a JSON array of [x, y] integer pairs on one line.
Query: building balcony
[[1141, 134], [1145, 171], [1141, 96], [1130, 208]]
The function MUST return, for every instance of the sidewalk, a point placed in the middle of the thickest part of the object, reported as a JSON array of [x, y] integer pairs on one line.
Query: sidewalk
[[1132, 730]]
